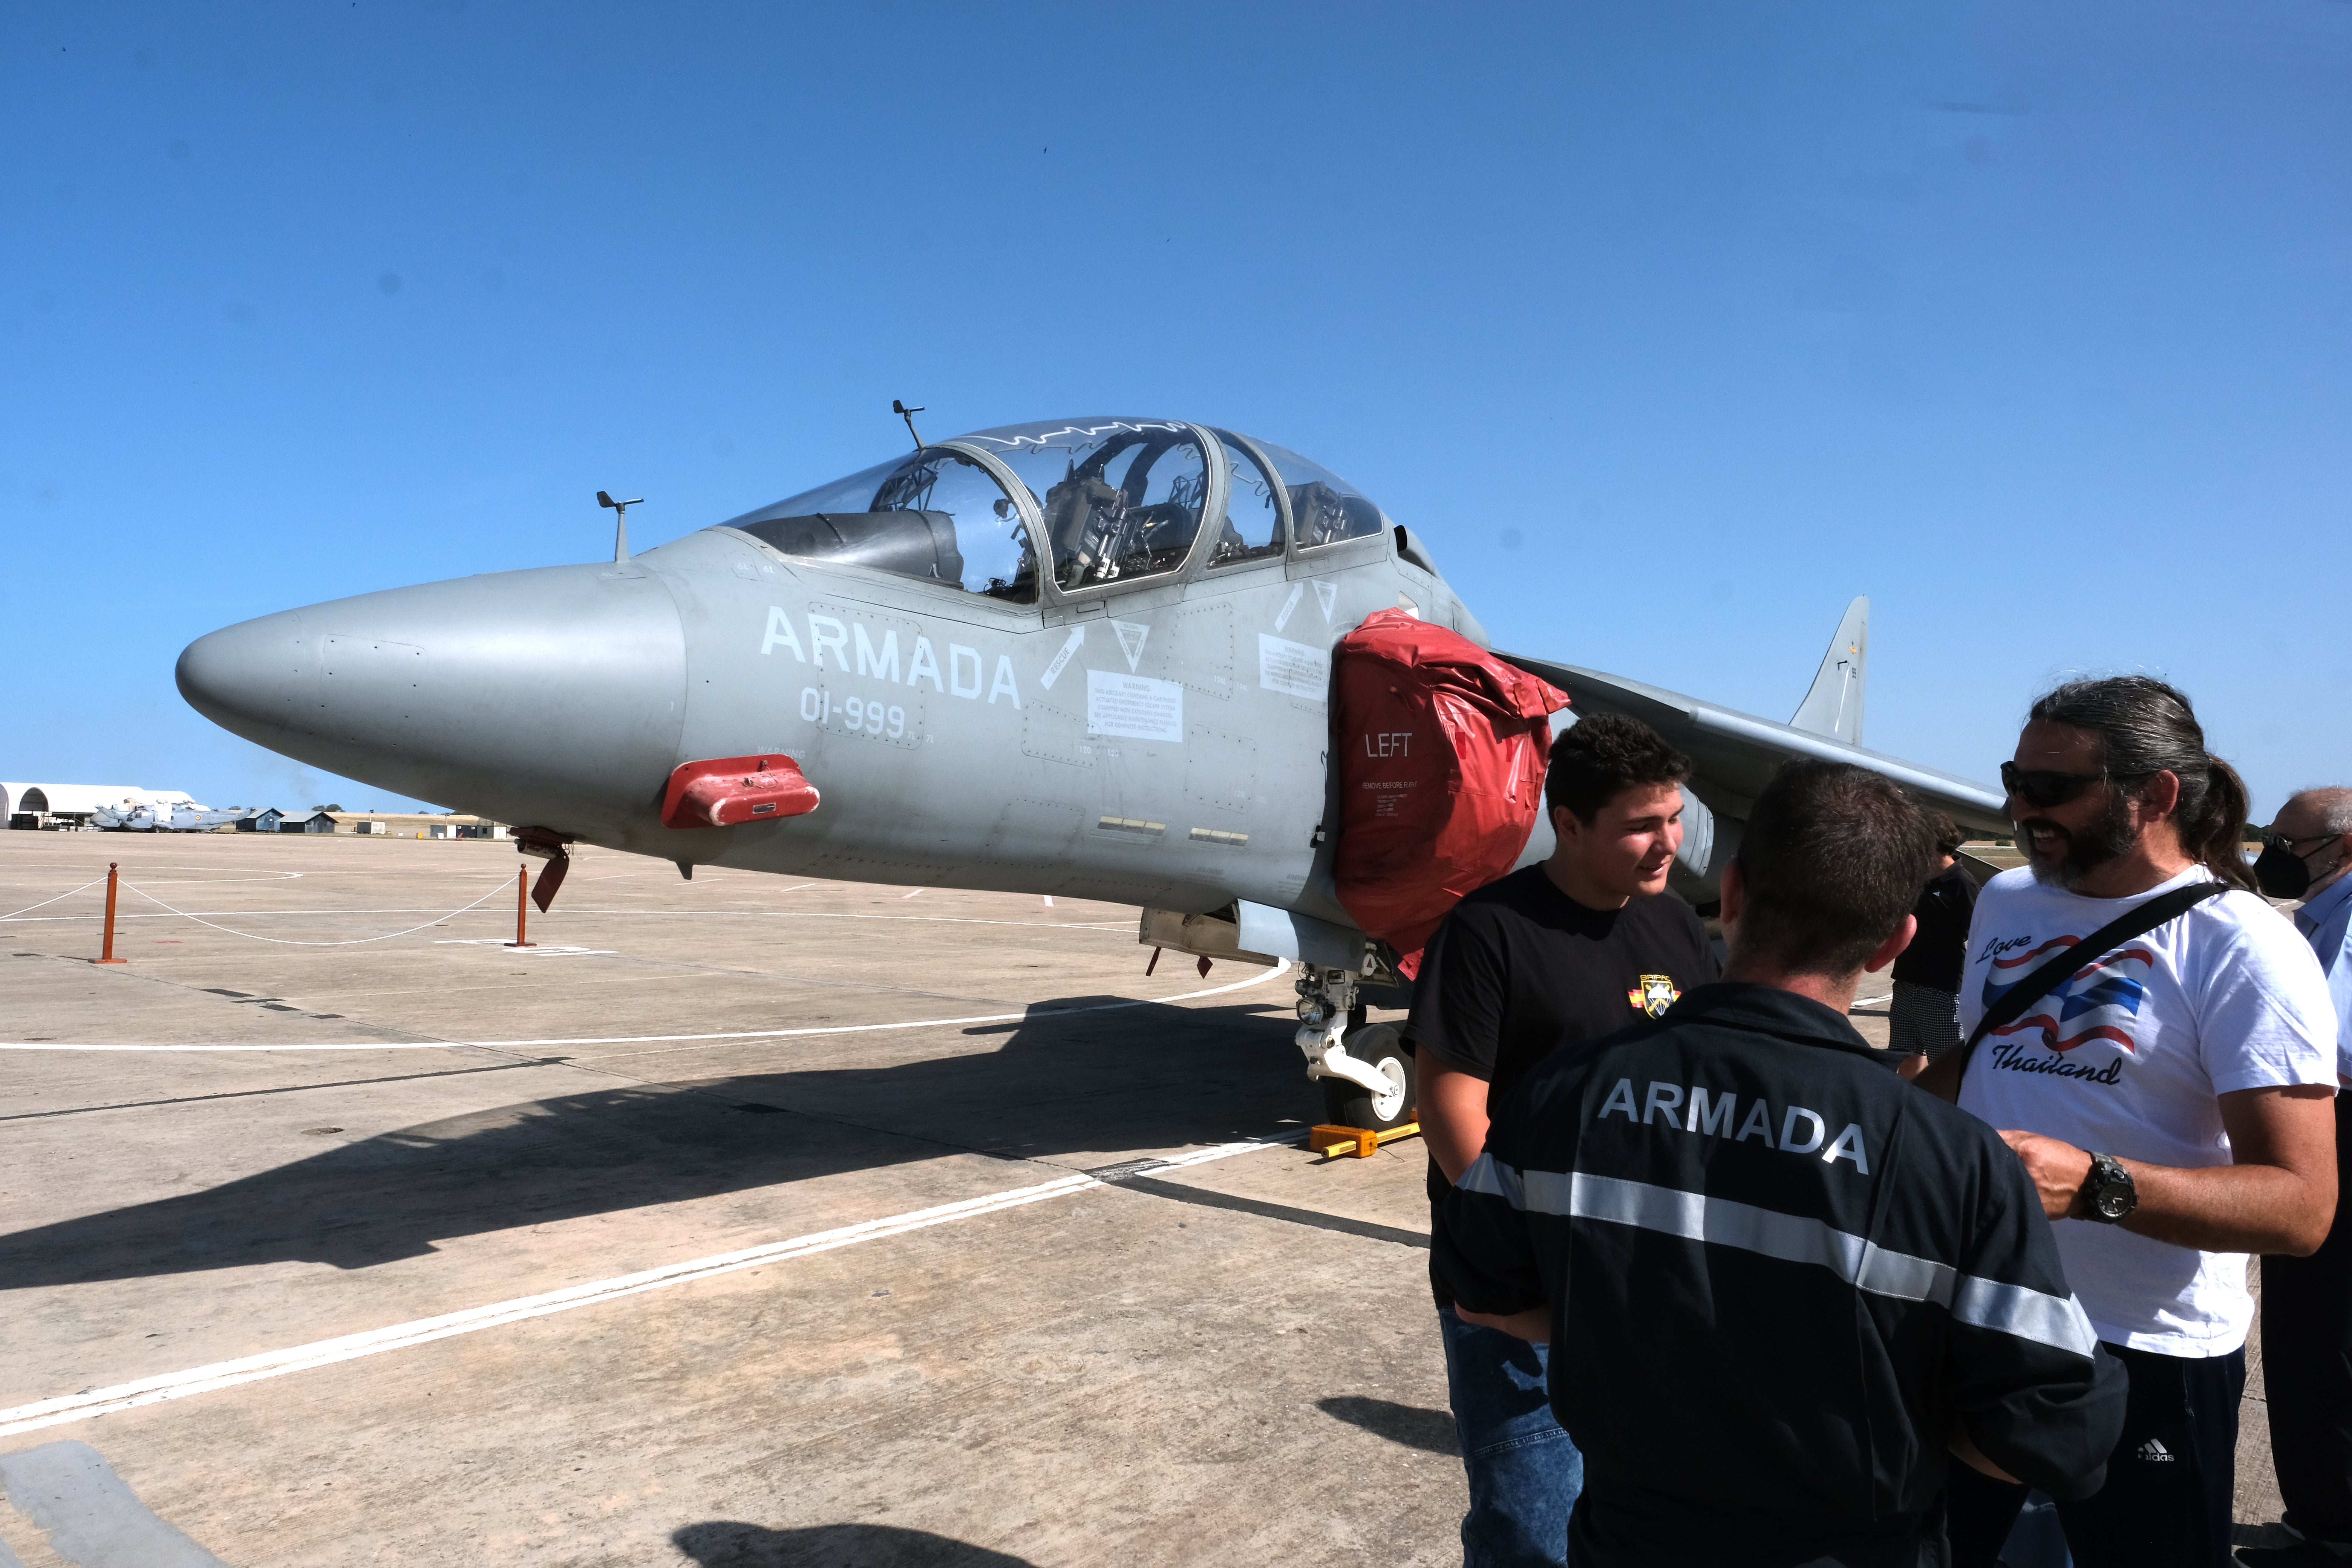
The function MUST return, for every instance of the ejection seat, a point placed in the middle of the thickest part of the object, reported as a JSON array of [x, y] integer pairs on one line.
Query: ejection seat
[[1084, 520], [1323, 516], [1101, 532]]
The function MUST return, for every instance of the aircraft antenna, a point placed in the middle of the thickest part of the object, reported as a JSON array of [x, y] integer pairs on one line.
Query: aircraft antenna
[[620, 524], [903, 412]]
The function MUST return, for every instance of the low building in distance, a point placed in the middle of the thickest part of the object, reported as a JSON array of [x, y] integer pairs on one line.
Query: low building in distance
[[52, 806], [418, 824]]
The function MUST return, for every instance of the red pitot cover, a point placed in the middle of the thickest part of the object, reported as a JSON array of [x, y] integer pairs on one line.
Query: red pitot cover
[[1443, 748]]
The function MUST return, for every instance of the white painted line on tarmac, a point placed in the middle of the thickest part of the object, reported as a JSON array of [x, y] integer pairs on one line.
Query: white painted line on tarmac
[[98, 1402], [536, 950], [1279, 969]]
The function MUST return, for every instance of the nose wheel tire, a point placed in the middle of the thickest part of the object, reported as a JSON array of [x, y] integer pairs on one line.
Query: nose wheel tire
[[1348, 1104]]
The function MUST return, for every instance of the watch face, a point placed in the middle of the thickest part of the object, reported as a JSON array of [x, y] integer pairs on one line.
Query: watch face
[[2112, 1194]]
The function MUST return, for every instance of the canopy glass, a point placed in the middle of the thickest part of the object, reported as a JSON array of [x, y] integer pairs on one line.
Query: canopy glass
[[1324, 508], [1121, 499], [933, 514], [1252, 529]]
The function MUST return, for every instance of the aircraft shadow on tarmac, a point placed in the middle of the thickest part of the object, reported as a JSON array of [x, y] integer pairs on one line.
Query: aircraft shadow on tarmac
[[1142, 1078], [726, 1543], [1430, 1431]]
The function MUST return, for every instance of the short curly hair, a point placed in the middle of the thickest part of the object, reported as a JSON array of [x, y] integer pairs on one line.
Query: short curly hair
[[1598, 759]]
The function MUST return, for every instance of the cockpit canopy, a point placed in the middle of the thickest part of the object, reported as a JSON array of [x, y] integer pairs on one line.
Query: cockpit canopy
[[1119, 497], [1100, 501]]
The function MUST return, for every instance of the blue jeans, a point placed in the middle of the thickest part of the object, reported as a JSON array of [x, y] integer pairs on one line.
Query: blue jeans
[[1524, 1473]]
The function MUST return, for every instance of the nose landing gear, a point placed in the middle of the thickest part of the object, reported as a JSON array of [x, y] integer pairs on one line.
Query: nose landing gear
[[1365, 1070]]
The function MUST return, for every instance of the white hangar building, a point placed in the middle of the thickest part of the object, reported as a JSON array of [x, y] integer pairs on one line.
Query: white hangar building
[[29, 805]]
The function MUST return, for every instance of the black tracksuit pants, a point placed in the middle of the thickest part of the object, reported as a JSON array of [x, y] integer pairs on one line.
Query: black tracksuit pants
[[2170, 1479], [2307, 1370]]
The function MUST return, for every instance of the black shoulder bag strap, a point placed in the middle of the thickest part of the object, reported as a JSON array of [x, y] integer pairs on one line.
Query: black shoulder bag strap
[[2090, 950]]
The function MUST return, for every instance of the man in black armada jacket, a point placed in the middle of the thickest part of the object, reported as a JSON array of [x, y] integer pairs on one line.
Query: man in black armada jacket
[[1816, 1284]]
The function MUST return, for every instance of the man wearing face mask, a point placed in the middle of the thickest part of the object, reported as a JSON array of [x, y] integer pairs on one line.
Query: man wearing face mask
[[2171, 1095], [2308, 1301]]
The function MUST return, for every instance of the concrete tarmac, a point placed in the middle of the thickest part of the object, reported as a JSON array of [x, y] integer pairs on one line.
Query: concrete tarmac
[[741, 1221]]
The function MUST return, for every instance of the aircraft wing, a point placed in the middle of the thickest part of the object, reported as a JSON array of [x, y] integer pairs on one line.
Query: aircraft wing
[[1736, 753]]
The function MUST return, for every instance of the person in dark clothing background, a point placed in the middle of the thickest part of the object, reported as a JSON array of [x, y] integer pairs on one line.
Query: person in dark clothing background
[[1572, 949], [1924, 1021], [1816, 1286], [2306, 1306]]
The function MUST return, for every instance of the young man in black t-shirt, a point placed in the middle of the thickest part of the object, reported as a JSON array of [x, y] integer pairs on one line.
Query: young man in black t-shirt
[[1572, 949], [1924, 1022]]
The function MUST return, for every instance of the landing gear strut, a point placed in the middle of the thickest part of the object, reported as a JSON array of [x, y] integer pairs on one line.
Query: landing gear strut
[[1365, 1070]]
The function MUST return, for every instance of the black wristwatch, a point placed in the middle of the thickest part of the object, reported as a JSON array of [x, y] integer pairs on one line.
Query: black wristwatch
[[2108, 1194]]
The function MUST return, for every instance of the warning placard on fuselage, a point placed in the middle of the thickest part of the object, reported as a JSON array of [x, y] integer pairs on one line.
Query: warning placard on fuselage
[[1134, 706], [1294, 668]]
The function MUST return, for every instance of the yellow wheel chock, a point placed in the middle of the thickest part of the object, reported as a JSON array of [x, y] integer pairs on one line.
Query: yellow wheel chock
[[1338, 1142]]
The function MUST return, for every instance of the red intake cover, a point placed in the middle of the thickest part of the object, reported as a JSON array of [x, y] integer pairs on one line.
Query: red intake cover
[[727, 790], [1443, 748]]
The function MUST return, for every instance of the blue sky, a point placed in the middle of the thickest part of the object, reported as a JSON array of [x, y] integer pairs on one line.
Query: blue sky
[[1671, 326]]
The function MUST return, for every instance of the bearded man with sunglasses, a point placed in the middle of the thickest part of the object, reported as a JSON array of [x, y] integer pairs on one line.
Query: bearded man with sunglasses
[[2308, 1301], [2170, 1097]]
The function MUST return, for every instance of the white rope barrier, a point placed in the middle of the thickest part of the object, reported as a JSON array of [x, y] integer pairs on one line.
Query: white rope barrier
[[287, 941], [45, 903]]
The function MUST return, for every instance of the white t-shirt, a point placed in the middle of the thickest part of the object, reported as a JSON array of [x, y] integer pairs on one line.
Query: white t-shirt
[[2126, 1056]]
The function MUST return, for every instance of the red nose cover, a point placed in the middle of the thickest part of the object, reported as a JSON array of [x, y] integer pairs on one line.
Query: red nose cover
[[725, 791], [1443, 748]]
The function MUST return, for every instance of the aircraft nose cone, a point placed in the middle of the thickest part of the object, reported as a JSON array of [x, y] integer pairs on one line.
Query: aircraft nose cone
[[243, 677], [553, 696]]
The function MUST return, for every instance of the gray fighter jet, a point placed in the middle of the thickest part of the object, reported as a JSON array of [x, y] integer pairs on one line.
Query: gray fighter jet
[[1087, 657]]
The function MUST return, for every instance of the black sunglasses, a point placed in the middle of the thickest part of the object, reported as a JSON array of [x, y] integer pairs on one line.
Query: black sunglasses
[[2042, 786]]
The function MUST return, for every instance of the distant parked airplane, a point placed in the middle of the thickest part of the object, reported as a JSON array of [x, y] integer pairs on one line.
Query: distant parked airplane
[[162, 816]]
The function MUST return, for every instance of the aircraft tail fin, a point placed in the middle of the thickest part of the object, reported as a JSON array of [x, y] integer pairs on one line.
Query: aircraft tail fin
[[1833, 706]]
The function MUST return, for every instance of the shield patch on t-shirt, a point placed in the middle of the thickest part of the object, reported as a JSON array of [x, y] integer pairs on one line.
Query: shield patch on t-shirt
[[1657, 994]]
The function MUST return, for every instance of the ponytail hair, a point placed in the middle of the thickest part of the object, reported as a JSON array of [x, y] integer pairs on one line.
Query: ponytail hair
[[2147, 727], [2215, 832]]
